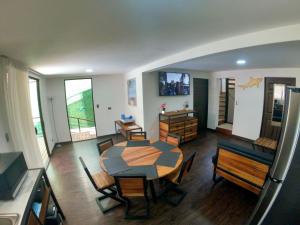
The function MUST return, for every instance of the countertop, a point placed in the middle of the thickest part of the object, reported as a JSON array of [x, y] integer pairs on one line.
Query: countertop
[[19, 204]]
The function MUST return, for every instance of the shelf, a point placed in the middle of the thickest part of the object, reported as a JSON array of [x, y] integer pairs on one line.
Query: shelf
[[177, 113]]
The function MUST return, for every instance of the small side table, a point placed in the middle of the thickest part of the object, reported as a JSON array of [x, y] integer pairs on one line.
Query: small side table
[[125, 128]]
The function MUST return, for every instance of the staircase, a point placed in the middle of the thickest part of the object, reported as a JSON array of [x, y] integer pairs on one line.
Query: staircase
[[222, 101], [231, 83]]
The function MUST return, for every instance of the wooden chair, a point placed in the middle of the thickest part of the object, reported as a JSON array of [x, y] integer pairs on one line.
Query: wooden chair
[[173, 139], [103, 183], [129, 186], [103, 145], [175, 178], [137, 135]]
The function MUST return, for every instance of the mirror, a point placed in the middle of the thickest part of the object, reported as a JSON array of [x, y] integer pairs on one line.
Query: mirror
[[278, 104]]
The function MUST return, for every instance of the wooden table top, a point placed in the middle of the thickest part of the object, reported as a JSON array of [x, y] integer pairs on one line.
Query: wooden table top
[[155, 160], [128, 126]]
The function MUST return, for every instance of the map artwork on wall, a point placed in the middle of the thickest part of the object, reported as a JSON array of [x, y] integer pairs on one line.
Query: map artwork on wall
[[131, 87], [253, 82]]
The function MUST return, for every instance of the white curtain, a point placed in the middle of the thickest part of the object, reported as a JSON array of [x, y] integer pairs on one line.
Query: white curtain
[[18, 108]]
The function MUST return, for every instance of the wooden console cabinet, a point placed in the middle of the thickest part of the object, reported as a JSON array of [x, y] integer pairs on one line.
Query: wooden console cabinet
[[182, 122]]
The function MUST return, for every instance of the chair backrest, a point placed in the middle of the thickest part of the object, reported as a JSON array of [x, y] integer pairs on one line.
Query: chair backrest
[[173, 139], [103, 145], [186, 167], [132, 185], [88, 172], [137, 135]]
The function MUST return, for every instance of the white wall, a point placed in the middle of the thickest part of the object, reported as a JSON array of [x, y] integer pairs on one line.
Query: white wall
[[152, 100], [249, 102], [56, 91], [108, 91]]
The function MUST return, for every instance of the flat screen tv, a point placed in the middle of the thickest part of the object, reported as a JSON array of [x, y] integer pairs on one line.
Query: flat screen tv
[[174, 84]]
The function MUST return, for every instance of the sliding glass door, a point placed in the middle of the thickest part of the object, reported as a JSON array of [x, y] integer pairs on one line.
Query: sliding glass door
[[80, 108], [38, 119]]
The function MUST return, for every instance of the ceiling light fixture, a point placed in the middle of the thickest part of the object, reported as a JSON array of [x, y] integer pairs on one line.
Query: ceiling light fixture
[[241, 62], [89, 70]]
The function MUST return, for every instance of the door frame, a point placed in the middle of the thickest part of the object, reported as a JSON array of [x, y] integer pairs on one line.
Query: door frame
[[207, 80], [92, 87], [227, 99], [41, 113]]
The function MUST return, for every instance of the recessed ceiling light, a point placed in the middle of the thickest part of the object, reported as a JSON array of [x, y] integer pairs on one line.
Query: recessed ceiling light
[[89, 70], [241, 62]]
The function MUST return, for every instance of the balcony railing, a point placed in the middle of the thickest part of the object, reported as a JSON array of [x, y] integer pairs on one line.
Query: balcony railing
[[80, 123]]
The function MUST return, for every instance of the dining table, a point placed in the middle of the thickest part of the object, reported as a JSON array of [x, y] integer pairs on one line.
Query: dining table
[[152, 159]]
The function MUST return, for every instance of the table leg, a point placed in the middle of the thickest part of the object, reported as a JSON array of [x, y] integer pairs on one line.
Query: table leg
[[152, 191], [116, 130]]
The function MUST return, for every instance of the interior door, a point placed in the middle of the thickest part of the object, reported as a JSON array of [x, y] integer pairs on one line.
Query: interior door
[[268, 129], [201, 101]]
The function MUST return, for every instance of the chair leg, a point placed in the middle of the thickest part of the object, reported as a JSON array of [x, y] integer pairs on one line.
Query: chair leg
[[130, 216], [106, 195], [174, 188], [215, 178], [152, 191]]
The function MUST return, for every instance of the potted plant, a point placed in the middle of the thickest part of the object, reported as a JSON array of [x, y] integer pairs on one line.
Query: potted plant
[[163, 108]]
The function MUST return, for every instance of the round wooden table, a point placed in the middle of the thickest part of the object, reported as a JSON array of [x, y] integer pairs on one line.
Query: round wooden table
[[155, 160]]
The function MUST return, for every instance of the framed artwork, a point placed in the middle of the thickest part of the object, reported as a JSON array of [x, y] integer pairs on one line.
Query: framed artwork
[[131, 87]]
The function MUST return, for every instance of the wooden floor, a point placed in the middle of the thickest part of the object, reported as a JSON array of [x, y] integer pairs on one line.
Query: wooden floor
[[205, 204]]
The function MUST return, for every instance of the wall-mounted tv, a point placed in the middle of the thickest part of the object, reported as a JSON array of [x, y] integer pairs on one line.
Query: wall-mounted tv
[[174, 84]]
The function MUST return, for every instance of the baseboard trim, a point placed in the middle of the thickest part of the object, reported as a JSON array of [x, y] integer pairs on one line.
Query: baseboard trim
[[224, 131], [243, 138], [212, 130], [61, 143], [107, 135]]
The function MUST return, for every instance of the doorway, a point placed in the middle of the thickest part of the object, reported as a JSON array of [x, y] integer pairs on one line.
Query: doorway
[[80, 109], [271, 126], [201, 101], [226, 105], [34, 89]]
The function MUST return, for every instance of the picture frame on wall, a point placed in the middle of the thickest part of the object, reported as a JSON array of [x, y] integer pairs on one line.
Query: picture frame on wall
[[131, 87]]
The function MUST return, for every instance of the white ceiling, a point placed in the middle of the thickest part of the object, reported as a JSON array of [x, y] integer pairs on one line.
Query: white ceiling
[[281, 55], [115, 36]]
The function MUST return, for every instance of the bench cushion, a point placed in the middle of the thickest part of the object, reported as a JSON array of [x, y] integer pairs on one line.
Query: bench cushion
[[259, 156]]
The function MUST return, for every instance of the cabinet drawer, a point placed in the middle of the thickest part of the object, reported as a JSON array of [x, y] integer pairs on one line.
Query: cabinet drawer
[[163, 126], [176, 126], [191, 123], [163, 133]]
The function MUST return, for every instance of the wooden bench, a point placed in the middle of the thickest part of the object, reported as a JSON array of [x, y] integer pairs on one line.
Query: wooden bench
[[245, 167], [266, 143]]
